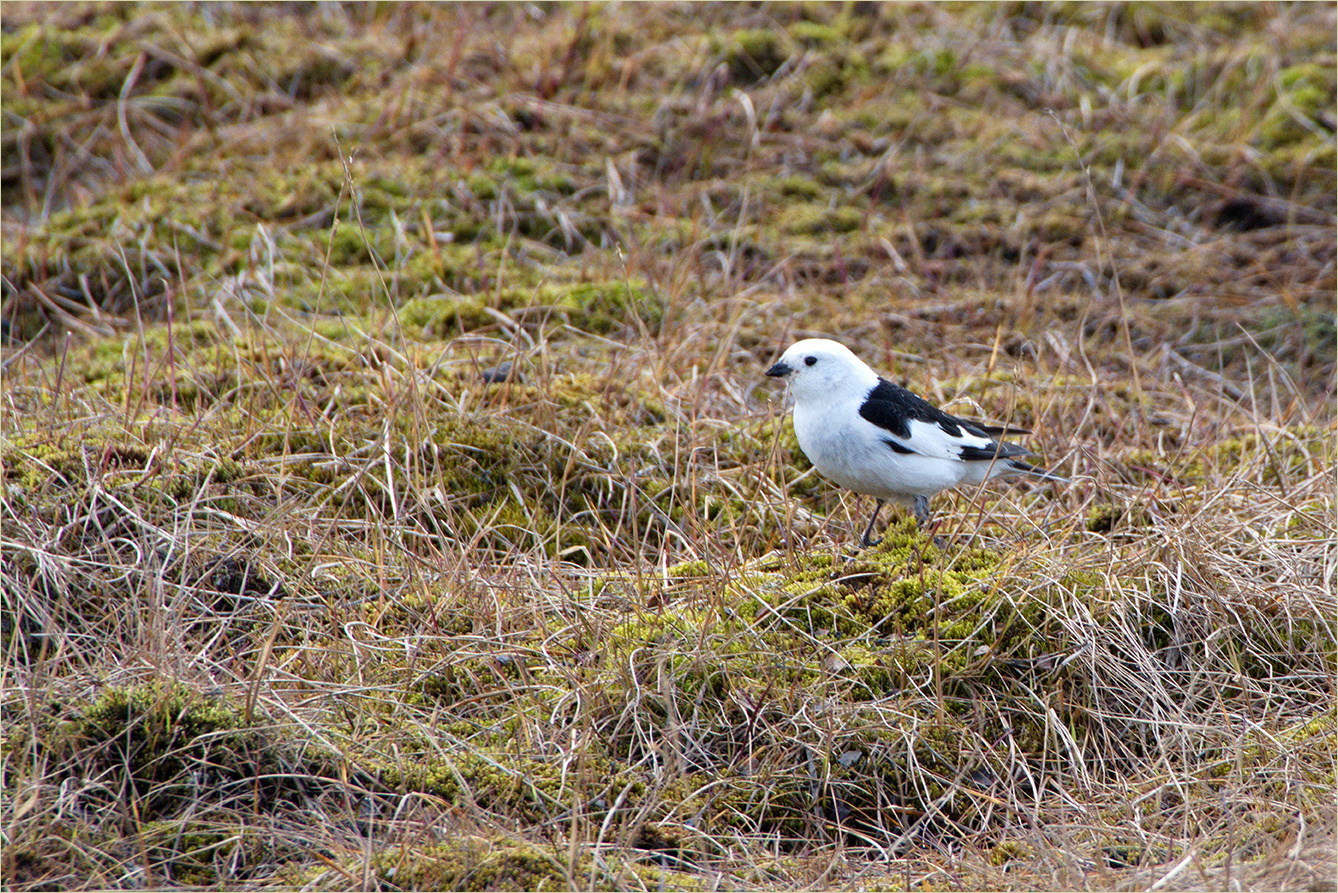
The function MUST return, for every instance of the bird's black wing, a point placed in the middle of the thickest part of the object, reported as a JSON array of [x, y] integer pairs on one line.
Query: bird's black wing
[[894, 408], [1000, 430]]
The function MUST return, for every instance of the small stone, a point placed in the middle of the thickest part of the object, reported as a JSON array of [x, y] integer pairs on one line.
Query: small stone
[[499, 373]]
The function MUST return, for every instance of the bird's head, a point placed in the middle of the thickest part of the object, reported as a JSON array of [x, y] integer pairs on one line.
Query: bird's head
[[820, 369]]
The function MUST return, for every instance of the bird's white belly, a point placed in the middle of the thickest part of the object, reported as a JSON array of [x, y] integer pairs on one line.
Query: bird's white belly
[[859, 460]]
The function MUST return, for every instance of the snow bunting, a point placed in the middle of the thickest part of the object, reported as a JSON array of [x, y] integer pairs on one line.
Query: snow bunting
[[878, 439]]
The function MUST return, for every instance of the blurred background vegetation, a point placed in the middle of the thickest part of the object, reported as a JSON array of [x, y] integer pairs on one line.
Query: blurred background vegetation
[[392, 498]]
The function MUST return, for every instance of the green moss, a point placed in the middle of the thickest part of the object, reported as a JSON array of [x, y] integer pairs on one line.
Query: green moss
[[1108, 517], [755, 53], [726, 802], [825, 76], [876, 614], [818, 220], [43, 471], [473, 863], [442, 316], [524, 787], [609, 399], [874, 674], [690, 569], [894, 585], [1270, 458], [169, 742], [34, 463], [481, 186], [1009, 851], [68, 59], [602, 307], [816, 34], [476, 863], [431, 518], [350, 245], [597, 307], [511, 484], [191, 853], [1306, 93], [797, 186]]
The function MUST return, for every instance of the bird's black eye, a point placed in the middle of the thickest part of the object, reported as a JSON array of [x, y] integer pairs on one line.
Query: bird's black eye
[[809, 361]]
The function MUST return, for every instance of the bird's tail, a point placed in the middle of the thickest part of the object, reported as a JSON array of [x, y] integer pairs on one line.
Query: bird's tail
[[1002, 430], [1036, 471]]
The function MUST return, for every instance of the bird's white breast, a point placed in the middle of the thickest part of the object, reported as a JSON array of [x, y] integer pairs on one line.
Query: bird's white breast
[[848, 449]]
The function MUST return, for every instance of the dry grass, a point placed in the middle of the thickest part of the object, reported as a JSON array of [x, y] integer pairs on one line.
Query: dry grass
[[304, 588]]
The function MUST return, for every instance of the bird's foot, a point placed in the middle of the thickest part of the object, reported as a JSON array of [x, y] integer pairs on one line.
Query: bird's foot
[[867, 540]]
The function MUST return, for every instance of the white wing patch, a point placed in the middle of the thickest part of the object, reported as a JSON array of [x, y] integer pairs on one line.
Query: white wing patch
[[928, 439]]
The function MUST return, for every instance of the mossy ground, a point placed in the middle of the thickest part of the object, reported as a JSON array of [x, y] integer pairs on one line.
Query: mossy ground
[[392, 496]]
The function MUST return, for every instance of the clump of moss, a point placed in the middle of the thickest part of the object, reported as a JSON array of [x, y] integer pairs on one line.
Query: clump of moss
[[202, 854], [527, 787], [753, 54], [596, 307], [817, 220], [1108, 517], [476, 863], [516, 482], [473, 863], [1008, 851], [1306, 93], [849, 633], [893, 586], [1270, 457], [774, 799], [169, 742]]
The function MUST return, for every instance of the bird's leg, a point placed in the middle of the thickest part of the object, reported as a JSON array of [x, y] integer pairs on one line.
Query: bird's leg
[[921, 510], [922, 520], [868, 531]]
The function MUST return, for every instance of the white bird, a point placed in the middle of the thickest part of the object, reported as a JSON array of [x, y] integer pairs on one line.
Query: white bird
[[878, 439]]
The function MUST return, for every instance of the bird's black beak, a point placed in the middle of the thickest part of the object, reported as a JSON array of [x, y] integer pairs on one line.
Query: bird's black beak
[[780, 370]]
